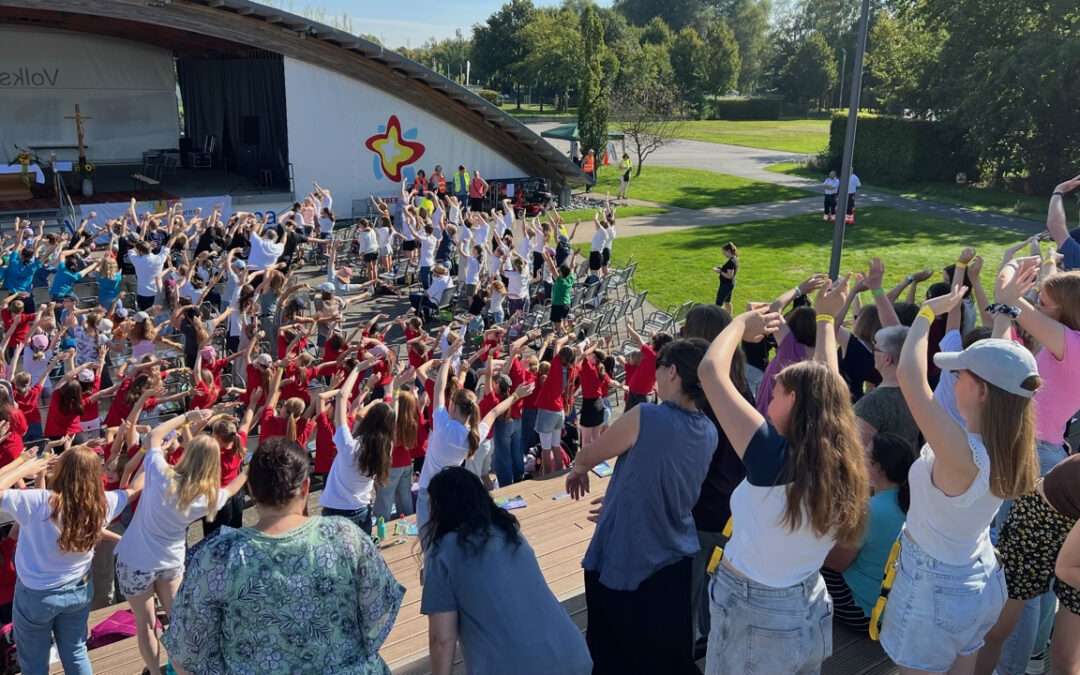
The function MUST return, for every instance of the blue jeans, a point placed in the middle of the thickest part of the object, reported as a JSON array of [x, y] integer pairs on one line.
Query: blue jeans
[[397, 492], [507, 462], [61, 614], [528, 437], [1032, 633], [425, 277], [755, 628], [961, 602], [361, 516]]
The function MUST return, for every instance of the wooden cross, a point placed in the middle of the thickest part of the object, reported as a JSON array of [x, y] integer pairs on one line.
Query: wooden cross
[[79, 117]]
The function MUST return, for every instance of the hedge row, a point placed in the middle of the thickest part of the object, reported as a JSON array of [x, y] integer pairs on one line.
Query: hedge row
[[763, 108], [896, 150]]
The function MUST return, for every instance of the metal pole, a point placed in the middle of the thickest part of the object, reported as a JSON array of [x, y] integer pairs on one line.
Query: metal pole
[[843, 71], [849, 143]]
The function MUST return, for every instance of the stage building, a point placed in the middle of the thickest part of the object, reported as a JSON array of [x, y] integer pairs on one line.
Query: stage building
[[230, 102]]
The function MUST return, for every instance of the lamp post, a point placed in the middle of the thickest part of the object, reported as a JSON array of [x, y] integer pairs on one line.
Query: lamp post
[[849, 142], [843, 69]]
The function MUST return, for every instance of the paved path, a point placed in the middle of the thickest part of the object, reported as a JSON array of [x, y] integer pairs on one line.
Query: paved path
[[750, 163]]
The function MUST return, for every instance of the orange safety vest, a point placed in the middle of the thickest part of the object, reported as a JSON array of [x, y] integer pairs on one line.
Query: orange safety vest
[[441, 184], [476, 189], [588, 164]]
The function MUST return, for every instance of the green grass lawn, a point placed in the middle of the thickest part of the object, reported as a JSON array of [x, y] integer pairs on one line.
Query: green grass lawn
[[805, 136], [576, 215], [974, 197], [775, 255], [533, 109], [693, 188]]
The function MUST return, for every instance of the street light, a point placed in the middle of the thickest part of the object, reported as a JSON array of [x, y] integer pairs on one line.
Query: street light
[[843, 69], [849, 142]]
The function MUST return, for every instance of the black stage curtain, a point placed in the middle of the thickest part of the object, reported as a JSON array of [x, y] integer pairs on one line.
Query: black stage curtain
[[241, 102]]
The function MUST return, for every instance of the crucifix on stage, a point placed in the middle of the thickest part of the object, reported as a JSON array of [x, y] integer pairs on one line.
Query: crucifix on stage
[[79, 117]]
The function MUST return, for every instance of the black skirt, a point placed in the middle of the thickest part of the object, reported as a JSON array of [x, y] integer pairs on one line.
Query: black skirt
[[596, 260], [408, 245], [592, 412], [723, 294]]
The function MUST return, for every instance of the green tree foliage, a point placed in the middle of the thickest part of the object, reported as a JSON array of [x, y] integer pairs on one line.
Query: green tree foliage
[[497, 47], [749, 19], [722, 58], [1008, 72], [690, 67], [675, 13], [900, 53], [553, 53], [809, 74], [448, 57], [593, 103], [656, 32]]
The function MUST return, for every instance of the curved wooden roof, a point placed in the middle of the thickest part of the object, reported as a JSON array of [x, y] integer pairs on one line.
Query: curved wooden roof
[[239, 26]]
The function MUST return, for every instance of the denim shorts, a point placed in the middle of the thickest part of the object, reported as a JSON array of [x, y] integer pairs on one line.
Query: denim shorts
[[549, 421], [937, 612], [135, 582], [761, 630]]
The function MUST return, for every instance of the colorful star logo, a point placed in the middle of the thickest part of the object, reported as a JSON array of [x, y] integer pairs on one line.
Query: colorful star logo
[[393, 150]]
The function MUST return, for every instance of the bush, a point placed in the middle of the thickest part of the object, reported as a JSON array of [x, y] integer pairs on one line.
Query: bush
[[491, 97], [896, 150], [763, 108]]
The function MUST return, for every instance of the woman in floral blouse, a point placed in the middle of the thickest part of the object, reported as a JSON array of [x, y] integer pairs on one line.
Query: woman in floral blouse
[[290, 595]]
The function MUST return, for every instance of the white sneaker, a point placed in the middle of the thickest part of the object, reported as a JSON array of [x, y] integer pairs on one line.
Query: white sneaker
[[1036, 664]]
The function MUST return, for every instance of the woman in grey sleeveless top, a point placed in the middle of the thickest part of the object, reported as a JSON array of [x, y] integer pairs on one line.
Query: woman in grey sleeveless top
[[638, 565]]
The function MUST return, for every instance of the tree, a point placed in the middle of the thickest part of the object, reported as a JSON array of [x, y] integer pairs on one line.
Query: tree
[[810, 73], [553, 57], [447, 57], [749, 20], [677, 14], [899, 58], [688, 62], [647, 119], [656, 32], [497, 47], [593, 106], [721, 59]]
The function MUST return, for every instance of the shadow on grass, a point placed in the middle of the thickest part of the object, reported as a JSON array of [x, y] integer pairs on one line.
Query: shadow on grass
[[694, 197]]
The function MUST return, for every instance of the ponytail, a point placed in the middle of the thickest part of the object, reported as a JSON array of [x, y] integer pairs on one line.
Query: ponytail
[[895, 455], [293, 409], [465, 402]]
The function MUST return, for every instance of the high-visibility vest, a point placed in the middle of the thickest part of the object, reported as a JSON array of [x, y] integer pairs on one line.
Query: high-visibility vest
[[588, 164], [461, 182], [627, 164], [476, 188], [440, 183]]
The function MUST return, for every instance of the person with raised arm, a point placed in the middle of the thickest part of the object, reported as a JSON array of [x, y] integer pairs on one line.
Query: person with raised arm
[[769, 607]]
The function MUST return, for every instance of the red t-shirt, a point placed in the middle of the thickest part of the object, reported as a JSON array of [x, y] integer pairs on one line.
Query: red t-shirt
[[402, 456], [519, 375], [204, 395], [24, 319], [643, 378], [283, 341], [29, 403], [90, 408], [487, 404], [12, 446], [215, 367], [592, 384], [232, 457], [253, 379], [552, 392], [273, 426], [7, 570], [58, 422], [121, 408]]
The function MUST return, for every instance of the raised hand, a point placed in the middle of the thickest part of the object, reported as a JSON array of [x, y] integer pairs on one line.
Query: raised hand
[[922, 275], [1016, 278], [760, 322], [943, 303], [1068, 186], [813, 283], [831, 300], [876, 274]]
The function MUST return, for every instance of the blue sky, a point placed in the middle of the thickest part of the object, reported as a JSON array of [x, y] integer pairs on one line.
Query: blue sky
[[409, 23]]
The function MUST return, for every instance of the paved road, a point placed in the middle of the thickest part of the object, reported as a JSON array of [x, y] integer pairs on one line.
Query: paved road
[[750, 163]]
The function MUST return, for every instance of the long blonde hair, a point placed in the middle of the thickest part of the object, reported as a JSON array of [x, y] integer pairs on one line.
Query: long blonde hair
[[1008, 431], [292, 410], [198, 474], [829, 485]]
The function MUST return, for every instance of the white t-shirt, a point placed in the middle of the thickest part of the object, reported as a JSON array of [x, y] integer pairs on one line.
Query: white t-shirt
[[327, 202], [954, 530], [427, 250], [832, 186], [516, 288], [346, 488], [438, 285], [610, 236], [472, 270], [482, 234], [264, 252], [39, 562], [599, 240], [367, 240], [448, 445], [147, 268], [495, 301], [854, 184], [155, 539], [382, 238], [326, 225]]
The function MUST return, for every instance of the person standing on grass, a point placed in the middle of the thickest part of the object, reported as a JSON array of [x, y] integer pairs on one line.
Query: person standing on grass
[[639, 561], [624, 182], [727, 273], [832, 186], [853, 186], [588, 166]]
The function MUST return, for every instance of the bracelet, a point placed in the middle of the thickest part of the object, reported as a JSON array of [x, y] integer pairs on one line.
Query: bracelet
[[961, 265], [1058, 194], [927, 314], [825, 318], [878, 292], [1000, 308]]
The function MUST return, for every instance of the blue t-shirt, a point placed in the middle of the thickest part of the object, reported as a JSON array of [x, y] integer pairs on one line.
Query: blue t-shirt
[[108, 289], [63, 283], [864, 574], [19, 276], [1070, 251]]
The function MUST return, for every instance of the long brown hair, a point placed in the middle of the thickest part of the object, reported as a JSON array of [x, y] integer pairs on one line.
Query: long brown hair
[[408, 413], [464, 401], [292, 410], [376, 432], [78, 500], [827, 466], [1064, 290], [1008, 431], [70, 398]]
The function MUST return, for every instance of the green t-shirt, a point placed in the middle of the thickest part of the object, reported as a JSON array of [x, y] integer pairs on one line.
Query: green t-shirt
[[561, 290]]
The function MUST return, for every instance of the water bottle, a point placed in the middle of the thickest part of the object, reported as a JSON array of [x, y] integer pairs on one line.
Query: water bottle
[[380, 529]]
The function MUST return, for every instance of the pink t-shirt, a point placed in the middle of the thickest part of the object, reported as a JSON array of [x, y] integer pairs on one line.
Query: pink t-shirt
[[1058, 398]]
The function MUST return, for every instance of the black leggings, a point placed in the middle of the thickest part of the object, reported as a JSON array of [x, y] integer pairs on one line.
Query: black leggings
[[845, 609], [644, 631]]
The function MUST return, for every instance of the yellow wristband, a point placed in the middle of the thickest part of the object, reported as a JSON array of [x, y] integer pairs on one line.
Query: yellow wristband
[[961, 265], [826, 318], [927, 314], [877, 292]]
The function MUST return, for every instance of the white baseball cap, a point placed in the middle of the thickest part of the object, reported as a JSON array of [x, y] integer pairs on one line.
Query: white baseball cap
[[1003, 363]]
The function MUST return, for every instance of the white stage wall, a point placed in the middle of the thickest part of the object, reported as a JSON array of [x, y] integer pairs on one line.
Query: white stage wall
[[331, 117], [127, 88]]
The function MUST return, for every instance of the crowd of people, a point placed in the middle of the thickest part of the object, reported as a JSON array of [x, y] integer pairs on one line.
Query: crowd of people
[[904, 471]]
